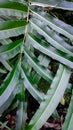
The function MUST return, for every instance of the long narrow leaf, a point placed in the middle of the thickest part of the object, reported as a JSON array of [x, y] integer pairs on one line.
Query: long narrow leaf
[[12, 28], [6, 64], [51, 99], [29, 86], [7, 103], [21, 110], [10, 50], [9, 84], [55, 23], [20, 116], [68, 124], [50, 51], [50, 36], [44, 60], [45, 73], [10, 8], [61, 4], [5, 41]]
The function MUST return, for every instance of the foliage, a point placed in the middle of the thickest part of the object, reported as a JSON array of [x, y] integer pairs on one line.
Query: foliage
[[30, 38]]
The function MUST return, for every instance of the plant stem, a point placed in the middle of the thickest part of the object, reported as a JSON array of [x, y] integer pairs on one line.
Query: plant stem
[[4, 125]]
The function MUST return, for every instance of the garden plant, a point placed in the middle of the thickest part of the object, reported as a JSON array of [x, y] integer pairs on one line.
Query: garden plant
[[32, 40]]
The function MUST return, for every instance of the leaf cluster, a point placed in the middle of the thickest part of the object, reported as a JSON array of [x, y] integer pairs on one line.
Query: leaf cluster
[[30, 39]]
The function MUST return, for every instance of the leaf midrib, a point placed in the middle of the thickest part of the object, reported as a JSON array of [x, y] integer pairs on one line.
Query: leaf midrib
[[56, 45], [51, 23], [10, 49], [49, 77], [53, 94]]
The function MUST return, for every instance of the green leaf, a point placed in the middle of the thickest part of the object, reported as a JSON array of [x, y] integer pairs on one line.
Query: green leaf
[[35, 78], [68, 124], [21, 110], [42, 71], [51, 99], [6, 64], [11, 8], [7, 102], [44, 60], [12, 28], [21, 115], [29, 86], [61, 4], [4, 125], [2, 70], [10, 50], [54, 23], [45, 48], [5, 41], [9, 84], [51, 37]]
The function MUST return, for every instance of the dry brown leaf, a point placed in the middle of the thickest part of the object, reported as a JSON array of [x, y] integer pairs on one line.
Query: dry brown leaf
[[52, 125]]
